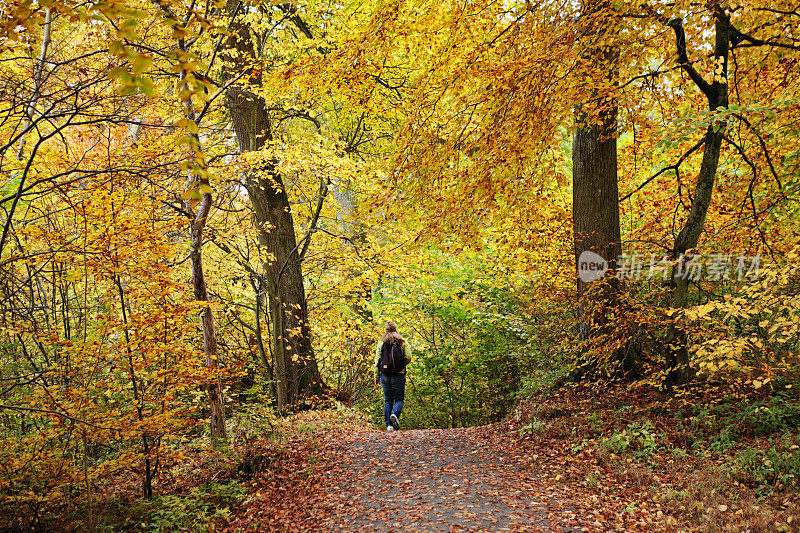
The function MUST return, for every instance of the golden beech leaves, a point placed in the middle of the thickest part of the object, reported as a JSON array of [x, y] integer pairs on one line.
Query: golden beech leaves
[[424, 150]]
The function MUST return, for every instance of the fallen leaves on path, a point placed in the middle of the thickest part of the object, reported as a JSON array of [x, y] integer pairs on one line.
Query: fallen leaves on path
[[435, 480], [432, 480]]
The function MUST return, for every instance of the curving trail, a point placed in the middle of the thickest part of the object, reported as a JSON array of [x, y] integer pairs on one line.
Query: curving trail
[[455, 480]]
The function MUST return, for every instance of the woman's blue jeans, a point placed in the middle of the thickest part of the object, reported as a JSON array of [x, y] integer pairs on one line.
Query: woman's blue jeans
[[394, 392]]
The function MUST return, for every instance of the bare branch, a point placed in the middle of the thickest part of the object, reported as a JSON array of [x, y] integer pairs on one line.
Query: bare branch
[[674, 167], [763, 148]]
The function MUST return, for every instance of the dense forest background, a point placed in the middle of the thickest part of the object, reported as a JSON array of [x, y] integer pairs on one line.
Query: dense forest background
[[211, 208]]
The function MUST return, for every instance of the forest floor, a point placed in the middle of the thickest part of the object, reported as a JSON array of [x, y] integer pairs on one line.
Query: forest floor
[[430, 480], [435, 480], [582, 460]]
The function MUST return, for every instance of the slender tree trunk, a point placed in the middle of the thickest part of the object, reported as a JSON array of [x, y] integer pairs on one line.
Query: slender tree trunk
[[716, 92], [214, 388], [87, 484], [38, 80], [201, 187], [149, 472], [28, 124], [259, 289]]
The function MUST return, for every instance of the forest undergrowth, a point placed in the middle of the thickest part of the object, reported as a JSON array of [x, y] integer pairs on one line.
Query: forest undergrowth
[[711, 458]]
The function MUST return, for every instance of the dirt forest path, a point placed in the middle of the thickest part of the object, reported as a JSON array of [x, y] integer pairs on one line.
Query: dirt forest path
[[456, 480]]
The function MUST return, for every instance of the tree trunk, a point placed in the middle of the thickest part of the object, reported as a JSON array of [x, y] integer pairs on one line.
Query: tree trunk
[[679, 369], [595, 194], [595, 207], [296, 372], [203, 199], [214, 388]]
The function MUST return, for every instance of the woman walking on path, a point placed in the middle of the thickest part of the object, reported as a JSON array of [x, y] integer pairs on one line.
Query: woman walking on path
[[392, 355]]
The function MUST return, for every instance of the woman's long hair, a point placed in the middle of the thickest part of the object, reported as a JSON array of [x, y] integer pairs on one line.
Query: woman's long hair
[[391, 334]]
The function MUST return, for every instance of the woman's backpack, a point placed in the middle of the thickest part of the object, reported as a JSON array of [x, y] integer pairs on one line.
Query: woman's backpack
[[393, 360]]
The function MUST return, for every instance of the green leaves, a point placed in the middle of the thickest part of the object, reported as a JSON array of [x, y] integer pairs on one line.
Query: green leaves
[[132, 76], [140, 64]]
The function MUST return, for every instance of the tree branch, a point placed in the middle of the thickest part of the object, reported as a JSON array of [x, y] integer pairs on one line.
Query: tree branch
[[56, 413], [689, 152], [740, 37], [323, 192], [683, 58], [763, 148]]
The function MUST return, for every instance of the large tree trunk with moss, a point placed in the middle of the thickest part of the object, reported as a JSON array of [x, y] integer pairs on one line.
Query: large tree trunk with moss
[[295, 368]]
